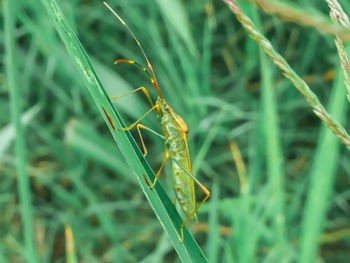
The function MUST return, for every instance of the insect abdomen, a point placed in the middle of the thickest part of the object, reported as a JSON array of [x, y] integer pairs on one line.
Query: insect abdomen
[[176, 141], [183, 183]]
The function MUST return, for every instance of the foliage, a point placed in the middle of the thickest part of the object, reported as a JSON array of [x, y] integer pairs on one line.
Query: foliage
[[279, 178]]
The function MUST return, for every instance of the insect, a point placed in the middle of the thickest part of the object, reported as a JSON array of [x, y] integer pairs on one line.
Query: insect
[[175, 135]]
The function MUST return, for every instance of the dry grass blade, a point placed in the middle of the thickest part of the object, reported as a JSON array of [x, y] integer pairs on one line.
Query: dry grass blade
[[290, 13], [290, 74], [338, 15]]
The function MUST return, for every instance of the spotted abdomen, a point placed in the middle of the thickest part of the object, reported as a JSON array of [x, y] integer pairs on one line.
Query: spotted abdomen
[[175, 131], [183, 183]]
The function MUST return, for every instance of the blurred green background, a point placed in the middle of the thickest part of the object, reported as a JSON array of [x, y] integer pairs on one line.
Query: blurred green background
[[287, 200]]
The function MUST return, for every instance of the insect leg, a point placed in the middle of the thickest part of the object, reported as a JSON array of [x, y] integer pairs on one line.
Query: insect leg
[[167, 155], [175, 201], [141, 126], [141, 88], [136, 122], [204, 189]]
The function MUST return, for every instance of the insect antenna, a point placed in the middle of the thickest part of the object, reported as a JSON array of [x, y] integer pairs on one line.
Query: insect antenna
[[154, 80], [135, 63]]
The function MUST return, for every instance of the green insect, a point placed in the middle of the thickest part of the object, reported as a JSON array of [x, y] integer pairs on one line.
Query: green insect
[[175, 135]]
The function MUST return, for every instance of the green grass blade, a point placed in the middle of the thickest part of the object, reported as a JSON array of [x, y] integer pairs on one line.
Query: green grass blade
[[213, 245], [82, 138], [271, 136], [175, 14], [274, 157], [273, 148], [189, 251], [20, 148], [322, 174]]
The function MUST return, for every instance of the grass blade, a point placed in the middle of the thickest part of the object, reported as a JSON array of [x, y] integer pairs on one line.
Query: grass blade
[[82, 138], [70, 247], [189, 251], [175, 14], [290, 74], [214, 239], [274, 157], [306, 17], [20, 148], [322, 174], [338, 15]]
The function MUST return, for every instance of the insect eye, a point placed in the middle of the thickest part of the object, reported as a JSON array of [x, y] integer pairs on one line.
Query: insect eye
[[167, 108]]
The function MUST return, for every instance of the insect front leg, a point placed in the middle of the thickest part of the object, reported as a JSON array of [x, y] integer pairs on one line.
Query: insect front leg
[[204, 189], [141, 126], [140, 119]]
